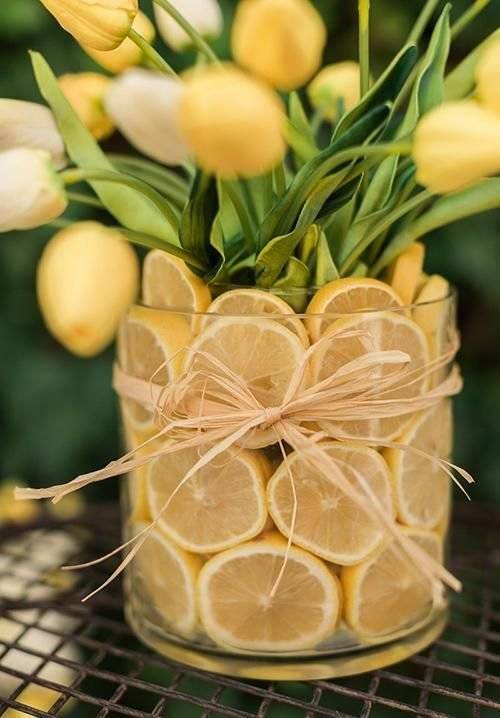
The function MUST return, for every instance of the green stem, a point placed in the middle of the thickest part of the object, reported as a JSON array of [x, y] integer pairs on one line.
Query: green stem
[[153, 56], [85, 199], [60, 223], [422, 20], [468, 17], [364, 44], [76, 175], [381, 226], [146, 240], [241, 210], [195, 36]]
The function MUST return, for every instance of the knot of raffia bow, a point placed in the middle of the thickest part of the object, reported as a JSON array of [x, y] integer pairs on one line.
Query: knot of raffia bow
[[217, 409]]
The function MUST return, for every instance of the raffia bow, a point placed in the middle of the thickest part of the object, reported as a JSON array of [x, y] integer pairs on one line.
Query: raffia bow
[[216, 410]]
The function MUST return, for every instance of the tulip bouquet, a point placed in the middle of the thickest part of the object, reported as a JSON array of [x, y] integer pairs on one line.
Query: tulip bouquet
[[273, 186], [261, 184]]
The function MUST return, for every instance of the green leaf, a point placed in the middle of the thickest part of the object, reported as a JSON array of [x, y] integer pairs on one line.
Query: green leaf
[[325, 269], [338, 224], [218, 271], [385, 90], [128, 206], [428, 90], [299, 125], [199, 215], [308, 244], [481, 197], [295, 276], [273, 257], [165, 180], [281, 219], [461, 81]]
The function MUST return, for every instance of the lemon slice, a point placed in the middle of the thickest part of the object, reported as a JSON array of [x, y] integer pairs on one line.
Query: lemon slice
[[406, 270], [168, 283], [168, 576], [387, 592], [237, 609], [150, 347], [222, 505], [256, 302], [328, 522], [434, 313], [422, 489], [261, 352], [137, 479], [380, 331], [348, 296]]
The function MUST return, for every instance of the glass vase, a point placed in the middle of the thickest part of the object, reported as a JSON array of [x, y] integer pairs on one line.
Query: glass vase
[[280, 550]]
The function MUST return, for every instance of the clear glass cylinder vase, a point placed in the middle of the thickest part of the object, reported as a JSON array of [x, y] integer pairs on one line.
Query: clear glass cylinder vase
[[288, 465]]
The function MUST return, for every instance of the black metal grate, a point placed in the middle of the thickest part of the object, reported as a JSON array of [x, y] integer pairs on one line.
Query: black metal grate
[[88, 656]]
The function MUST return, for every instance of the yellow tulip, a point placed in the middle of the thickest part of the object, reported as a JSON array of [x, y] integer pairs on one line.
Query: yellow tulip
[[488, 77], [334, 84], [233, 123], [456, 144], [100, 24], [128, 53], [87, 277], [85, 92], [28, 124], [31, 193], [281, 41]]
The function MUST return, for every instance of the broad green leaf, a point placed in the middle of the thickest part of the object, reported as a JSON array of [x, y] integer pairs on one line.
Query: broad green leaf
[[298, 126], [218, 271], [460, 82], [325, 269], [307, 246], [198, 216], [385, 90], [295, 276], [165, 180], [337, 226], [428, 89], [127, 205], [481, 197]]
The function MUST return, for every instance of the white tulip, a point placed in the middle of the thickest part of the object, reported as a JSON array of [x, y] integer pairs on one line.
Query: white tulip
[[31, 193], [204, 15], [28, 124], [144, 107]]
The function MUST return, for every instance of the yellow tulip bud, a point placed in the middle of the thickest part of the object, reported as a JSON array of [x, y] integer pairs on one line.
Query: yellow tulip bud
[[334, 84], [488, 77], [456, 144], [233, 123], [145, 108], [128, 53], [87, 277], [27, 124], [85, 92], [31, 193], [281, 41], [204, 15], [100, 24]]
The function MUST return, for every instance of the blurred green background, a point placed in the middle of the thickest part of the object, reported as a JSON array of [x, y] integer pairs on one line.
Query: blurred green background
[[58, 414]]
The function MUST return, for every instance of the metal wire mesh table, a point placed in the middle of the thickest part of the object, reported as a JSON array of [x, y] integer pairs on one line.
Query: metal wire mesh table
[[83, 660]]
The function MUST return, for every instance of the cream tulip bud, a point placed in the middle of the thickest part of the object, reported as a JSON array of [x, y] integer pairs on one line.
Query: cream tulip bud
[[204, 15], [233, 123], [31, 193], [456, 144], [144, 105], [28, 124], [101, 24], [334, 85], [128, 53], [488, 77], [87, 277], [281, 41], [85, 92]]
